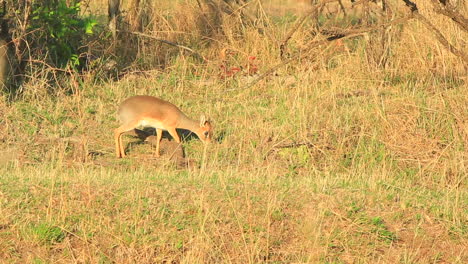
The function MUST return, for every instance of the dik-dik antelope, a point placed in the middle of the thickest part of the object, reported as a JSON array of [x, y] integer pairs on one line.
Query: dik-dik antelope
[[149, 111]]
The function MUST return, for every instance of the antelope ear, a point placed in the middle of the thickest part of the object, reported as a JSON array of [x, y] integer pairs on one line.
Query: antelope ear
[[202, 120]]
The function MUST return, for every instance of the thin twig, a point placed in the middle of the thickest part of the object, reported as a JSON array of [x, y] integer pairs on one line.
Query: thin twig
[[166, 42], [47, 65], [313, 12]]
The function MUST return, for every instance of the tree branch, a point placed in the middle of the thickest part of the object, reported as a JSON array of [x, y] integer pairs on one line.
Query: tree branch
[[313, 12], [335, 35], [446, 9], [415, 12]]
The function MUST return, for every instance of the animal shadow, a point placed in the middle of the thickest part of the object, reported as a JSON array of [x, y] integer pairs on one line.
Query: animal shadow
[[167, 144]]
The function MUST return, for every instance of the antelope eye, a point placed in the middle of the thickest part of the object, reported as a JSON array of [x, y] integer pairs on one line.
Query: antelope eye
[[206, 133]]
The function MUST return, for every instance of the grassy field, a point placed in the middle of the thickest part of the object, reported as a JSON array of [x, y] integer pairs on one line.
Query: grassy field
[[329, 160]]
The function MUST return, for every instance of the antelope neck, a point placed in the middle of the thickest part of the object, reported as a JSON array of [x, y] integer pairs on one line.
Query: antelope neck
[[188, 123]]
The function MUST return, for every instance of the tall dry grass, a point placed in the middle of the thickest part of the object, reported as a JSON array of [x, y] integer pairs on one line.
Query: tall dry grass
[[330, 159]]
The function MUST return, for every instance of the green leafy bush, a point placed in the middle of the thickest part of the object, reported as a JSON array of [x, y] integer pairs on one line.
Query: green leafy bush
[[63, 30]]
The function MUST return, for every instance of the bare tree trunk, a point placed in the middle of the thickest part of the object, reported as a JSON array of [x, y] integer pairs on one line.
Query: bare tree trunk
[[5, 58], [141, 14], [113, 12], [135, 13], [4, 65]]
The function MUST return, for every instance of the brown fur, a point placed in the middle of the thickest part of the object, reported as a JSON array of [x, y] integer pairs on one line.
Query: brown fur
[[143, 110]]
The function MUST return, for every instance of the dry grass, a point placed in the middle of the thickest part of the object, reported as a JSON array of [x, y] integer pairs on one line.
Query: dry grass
[[330, 160]]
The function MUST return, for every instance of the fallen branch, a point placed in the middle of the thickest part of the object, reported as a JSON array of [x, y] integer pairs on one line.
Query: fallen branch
[[308, 145], [337, 33], [295, 145]]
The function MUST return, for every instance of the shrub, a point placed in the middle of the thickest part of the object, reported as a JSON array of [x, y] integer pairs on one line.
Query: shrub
[[61, 30]]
